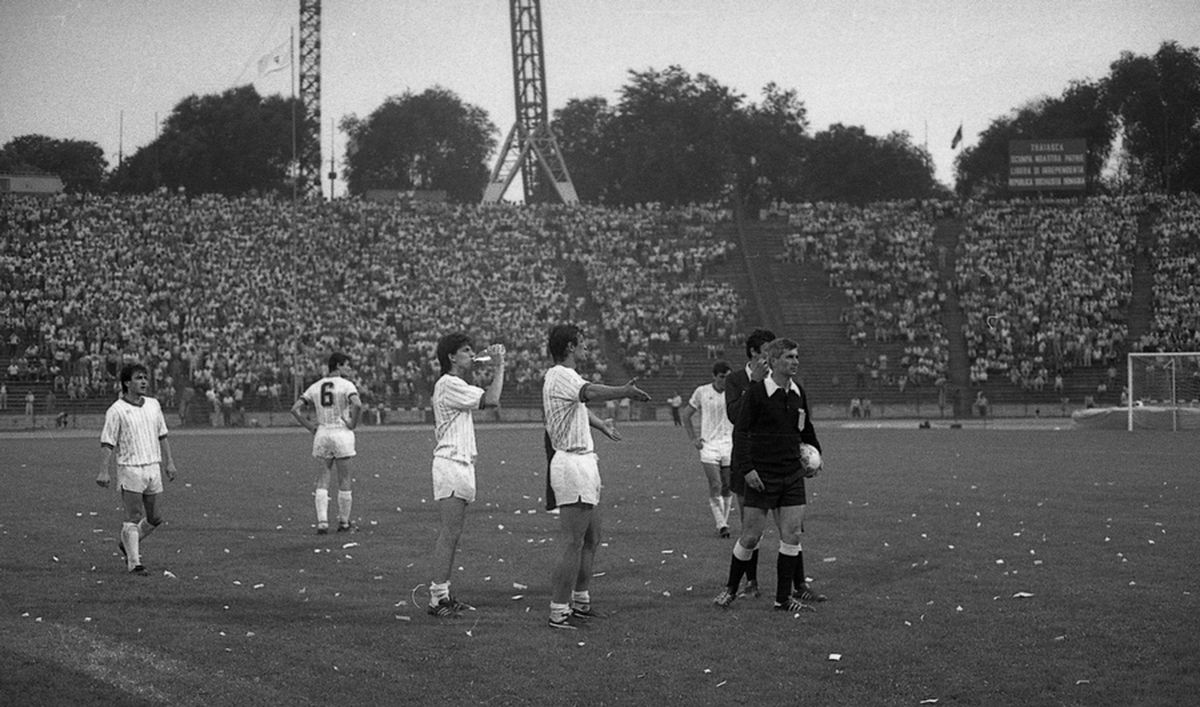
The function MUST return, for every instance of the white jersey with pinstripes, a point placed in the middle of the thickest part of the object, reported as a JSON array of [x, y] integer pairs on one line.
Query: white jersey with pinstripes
[[453, 424], [566, 415], [715, 426], [330, 396], [134, 431]]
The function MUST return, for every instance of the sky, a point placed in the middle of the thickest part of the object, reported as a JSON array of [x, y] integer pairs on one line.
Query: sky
[[106, 70]]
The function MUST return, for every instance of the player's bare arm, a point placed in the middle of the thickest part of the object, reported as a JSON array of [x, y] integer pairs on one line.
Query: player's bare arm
[[356, 407], [599, 392], [169, 460], [685, 416], [300, 412], [102, 479], [491, 396]]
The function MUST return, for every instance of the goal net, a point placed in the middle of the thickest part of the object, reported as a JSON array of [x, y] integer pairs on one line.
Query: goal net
[[1163, 391]]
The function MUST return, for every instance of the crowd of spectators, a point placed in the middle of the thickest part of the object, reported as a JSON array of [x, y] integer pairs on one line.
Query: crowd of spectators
[[1044, 285], [880, 257], [234, 299], [1176, 262]]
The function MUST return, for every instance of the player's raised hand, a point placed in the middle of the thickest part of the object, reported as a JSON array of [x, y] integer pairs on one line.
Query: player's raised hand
[[758, 367], [496, 351], [634, 392]]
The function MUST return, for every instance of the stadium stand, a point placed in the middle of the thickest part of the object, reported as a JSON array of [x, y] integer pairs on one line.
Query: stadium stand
[[235, 302]]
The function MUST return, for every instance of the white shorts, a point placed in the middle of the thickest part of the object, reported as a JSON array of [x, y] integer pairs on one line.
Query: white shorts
[[453, 478], [575, 478], [716, 453], [333, 443], [140, 478]]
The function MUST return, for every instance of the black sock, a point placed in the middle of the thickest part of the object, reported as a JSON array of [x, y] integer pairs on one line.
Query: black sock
[[800, 578], [785, 574], [736, 569], [752, 568]]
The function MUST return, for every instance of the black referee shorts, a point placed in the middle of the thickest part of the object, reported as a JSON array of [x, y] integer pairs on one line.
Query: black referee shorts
[[778, 491]]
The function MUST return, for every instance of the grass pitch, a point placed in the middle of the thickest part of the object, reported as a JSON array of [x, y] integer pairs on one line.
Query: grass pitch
[[966, 567]]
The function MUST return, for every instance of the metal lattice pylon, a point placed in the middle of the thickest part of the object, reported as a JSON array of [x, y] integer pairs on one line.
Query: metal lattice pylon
[[308, 129], [530, 146]]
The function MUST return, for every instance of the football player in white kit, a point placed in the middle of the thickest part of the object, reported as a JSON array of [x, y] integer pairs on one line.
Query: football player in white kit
[[715, 442], [134, 427], [454, 399], [574, 473], [337, 409]]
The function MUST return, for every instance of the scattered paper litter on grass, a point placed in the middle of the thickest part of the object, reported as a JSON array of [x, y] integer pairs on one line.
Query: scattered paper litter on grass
[[169, 575], [518, 585], [665, 552], [835, 656], [930, 701], [1022, 595], [721, 684], [517, 597], [400, 617], [349, 545], [1082, 682], [260, 585], [831, 559]]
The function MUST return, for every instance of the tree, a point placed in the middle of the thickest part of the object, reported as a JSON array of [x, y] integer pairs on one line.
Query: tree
[[583, 129], [229, 144], [80, 164], [846, 164], [1158, 101], [672, 138], [432, 140], [772, 137], [1080, 112]]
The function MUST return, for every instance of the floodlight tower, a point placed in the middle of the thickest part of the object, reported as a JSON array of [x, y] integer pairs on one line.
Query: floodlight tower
[[530, 146], [308, 131]]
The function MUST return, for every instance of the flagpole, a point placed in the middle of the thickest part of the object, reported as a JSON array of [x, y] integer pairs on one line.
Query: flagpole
[[292, 82]]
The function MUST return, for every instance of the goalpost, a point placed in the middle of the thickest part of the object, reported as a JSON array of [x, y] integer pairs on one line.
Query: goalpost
[[1163, 390]]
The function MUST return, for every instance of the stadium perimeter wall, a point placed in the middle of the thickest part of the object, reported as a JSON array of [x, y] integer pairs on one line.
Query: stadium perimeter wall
[[17, 422]]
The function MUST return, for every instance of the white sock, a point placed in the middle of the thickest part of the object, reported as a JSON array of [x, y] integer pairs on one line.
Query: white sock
[[129, 536], [344, 502], [726, 507], [581, 599], [714, 504], [558, 612], [438, 592], [741, 552], [321, 499]]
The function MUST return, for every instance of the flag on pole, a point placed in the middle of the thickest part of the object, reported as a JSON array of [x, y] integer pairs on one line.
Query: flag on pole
[[957, 137], [277, 59]]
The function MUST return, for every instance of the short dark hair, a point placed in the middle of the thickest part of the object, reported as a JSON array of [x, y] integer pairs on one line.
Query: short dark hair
[[757, 339], [449, 345], [561, 336], [336, 360], [721, 367], [128, 371]]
